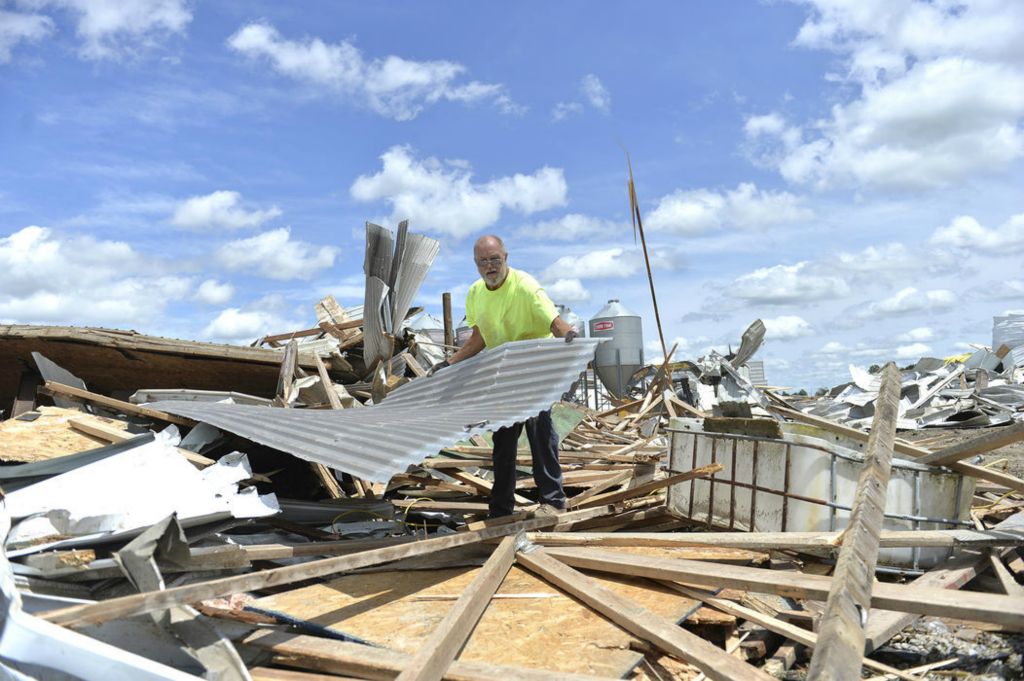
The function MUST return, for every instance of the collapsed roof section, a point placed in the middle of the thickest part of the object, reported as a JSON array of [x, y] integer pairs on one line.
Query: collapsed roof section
[[494, 389]]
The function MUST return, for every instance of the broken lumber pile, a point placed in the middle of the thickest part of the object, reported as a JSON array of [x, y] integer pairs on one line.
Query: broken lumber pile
[[335, 525]]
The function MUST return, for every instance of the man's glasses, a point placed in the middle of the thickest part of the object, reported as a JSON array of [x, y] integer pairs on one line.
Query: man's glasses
[[490, 261]]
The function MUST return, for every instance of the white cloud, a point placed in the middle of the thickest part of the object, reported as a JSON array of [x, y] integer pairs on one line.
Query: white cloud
[[110, 29], [442, 196], [832, 348], [391, 86], [596, 93], [274, 255], [939, 95], [234, 325], [966, 232], [985, 28], [16, 27], [782, 284], [921, 333], [872, 260], [786, 327], [214, 292], [566, 291], [610, 262], [746, 207], [221, 209], [563, 110], [909, 300], [45, 278], [912, 351], [592, 92], [572, 227]]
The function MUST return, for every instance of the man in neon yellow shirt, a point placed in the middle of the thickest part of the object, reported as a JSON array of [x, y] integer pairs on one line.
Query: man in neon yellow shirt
[[505, 305]]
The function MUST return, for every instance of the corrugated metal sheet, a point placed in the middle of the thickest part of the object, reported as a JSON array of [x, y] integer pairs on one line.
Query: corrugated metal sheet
[[375, 345], [494, 389], [418, 256]]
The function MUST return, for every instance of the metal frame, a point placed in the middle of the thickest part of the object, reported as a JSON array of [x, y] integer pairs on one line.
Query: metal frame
[[786, 495]]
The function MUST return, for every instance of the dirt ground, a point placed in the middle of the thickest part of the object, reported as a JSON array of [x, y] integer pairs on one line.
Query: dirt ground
[[1009, 459]]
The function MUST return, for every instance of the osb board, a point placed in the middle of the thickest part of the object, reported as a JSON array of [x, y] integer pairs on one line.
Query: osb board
[[48, 437], [549, 631]]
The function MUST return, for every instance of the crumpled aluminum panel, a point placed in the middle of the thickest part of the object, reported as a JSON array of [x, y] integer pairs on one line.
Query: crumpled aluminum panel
[[494, 389]]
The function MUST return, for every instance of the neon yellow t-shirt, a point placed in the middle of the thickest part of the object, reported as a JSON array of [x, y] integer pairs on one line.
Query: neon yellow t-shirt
[[518, 310]]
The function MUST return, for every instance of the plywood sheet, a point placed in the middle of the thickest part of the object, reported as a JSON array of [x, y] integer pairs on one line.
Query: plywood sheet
[[48, 437], [543, 630]]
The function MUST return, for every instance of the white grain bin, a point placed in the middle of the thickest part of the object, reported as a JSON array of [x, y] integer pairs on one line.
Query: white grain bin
[[618, 358]]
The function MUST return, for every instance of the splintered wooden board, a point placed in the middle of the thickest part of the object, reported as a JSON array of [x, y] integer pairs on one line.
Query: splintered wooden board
[[48, 437], [554, 632]]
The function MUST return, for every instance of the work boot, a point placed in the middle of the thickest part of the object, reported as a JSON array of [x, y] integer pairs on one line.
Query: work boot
[[546, 511]]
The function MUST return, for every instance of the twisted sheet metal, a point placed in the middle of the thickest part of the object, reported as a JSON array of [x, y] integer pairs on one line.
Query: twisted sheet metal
[[375, 343], [494, 389], [418, 256]]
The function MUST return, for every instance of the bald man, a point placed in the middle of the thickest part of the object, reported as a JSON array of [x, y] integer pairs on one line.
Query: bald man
[[504, 305]]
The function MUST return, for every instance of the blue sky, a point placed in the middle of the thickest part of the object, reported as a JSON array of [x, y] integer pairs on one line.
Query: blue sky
[[850, 171]]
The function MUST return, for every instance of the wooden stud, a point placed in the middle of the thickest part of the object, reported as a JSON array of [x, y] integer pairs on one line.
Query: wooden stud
[[974, 606], [641, 490], [993, 439], [370, 662], [450, 635], [51, 388], [137, 604], [795, 541], [449, 327], [790, 631], [613, 481], [669, 637], [841, 632]]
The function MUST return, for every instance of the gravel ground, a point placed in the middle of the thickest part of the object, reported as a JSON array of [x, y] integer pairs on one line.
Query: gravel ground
[[983, 655]]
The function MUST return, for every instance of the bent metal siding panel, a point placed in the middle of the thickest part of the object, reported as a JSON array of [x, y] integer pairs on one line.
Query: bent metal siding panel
[[494, 389]]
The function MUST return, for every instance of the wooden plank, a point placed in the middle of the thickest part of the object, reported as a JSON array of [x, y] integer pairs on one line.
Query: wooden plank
[[449, 327], [369, 662], [328, 384], [973, 606], [790, 631], [713, 661], [841, 632], [335, 402], [398, 607], [439, 505], [286, 376], [1009, 584], [647, 488], [274, 674], [96, 428], [285, 385], [904, 448], [439, 651], [132, 341], [305, 333], [414, 365], [483, 486], [137, 604], [50, 388], [611, 482], [986, 442], [796, 541]]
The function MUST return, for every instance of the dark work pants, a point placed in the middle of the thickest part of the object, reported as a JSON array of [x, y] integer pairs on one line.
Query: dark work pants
[[547, 472]]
